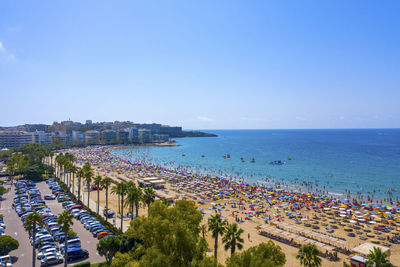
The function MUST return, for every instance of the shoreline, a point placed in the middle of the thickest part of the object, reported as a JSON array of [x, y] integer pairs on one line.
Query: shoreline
[[253, 206], [276, 183]]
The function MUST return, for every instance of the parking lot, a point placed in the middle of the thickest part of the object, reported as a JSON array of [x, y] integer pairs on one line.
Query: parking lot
[[14, 227]]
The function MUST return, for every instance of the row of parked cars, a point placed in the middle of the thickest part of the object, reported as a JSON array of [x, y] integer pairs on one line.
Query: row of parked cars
[[49, 239], [5, 260], [89, 222]]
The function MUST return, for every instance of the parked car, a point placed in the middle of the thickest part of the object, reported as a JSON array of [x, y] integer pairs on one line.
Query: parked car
[[108, 213], [4, 259], [51, 260], [49, 197], [77, 253]]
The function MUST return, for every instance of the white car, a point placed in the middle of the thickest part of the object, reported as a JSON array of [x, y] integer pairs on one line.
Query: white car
[[5, 258], [47, 252]]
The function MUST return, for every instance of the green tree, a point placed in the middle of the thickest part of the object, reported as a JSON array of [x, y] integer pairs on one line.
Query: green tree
[[148, 197], [232, 239], [31, 222], [3, 190], [203, 229], [105, 183], [308, 256], [169, 236], [377, 258], [124, 259], [207, 262], [130, 196], [7, 244], [138, 195], [217, 227], [65, 221], [108, 247], [97, 182], [265, 254]]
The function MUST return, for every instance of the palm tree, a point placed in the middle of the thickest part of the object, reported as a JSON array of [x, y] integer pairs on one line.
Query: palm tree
[[115, 191], [217, 226], [88, 179], [232, 239], [74, 171], [58, 161], [69, 167], [97, 182], [122, 194], [377, 258], [130, 196], [138, 196], [148, 197], [51, 155], [80, 173], [308, 256], [64, 220], [106, 182], [31, 223], [203, 229]]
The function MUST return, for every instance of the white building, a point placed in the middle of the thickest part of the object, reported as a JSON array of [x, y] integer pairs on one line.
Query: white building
[[78, 137], [145, 136], [14, 138], [42, 138], [92, 137], [123, 136], [134, 135]]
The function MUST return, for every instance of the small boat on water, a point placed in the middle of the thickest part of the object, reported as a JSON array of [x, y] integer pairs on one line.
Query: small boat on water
[[253, 160], [202, 156], [183, 155], [224, 156], [228, 156], [277, 162], [242, 159]]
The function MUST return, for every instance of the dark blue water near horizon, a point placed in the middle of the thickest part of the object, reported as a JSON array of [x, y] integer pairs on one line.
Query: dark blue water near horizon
[[359, 160]]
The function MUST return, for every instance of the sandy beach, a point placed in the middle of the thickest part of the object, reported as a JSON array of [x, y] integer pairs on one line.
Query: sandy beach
[[262, 212]]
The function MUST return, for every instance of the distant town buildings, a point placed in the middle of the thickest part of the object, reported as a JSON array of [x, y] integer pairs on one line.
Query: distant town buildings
[[15, 138], [92, 137], [66, 132]]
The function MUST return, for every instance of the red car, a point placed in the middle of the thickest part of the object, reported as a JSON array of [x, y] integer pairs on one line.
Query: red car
[[75, 207]]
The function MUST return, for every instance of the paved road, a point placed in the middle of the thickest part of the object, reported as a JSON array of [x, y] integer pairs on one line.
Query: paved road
[[87, 240], [23, 255]]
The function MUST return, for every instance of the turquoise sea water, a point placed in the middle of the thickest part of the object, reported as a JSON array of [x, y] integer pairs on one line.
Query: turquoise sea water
[[356, 160]]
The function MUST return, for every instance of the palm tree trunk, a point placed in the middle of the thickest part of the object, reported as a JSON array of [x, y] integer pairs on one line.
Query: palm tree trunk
[[73, 183], [119, 203], [98, 199], [137, 209], [233, 249], [66, 249], [107, 202], [79, 188], [122, 212], [216, 247], [132, 204], [34, 250], [88, 195]]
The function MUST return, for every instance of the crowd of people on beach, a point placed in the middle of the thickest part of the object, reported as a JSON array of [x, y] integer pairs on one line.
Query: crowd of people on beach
[[254, 201]]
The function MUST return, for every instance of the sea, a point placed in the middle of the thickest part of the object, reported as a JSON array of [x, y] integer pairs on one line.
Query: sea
[[339, 162]]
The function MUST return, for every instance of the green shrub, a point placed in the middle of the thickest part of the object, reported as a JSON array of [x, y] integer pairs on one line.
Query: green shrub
[[83, 264]]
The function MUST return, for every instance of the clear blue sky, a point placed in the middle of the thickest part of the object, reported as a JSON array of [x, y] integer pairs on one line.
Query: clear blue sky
[[202, 64]]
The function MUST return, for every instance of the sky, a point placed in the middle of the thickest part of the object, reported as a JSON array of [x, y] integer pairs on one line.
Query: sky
[[202, 64]]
